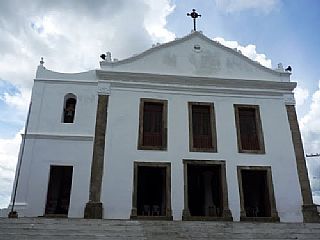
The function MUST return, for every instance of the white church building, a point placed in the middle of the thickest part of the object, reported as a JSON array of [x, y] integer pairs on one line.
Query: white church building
[[187, 130]]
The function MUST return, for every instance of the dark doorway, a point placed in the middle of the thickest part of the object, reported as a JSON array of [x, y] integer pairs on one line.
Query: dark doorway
[[151, 191], [204, 190], [59, 188], [255, 193]]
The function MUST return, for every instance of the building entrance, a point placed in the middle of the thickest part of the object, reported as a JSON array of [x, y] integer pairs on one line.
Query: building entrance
[[59, 189], [206, 195], [151, 197], [204, 190], [255, 193], [257, 201]]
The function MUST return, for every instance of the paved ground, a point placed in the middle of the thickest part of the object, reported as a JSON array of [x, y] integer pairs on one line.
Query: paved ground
[[79, 229]]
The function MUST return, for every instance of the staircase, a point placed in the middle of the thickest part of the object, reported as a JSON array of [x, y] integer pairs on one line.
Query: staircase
[[79, 229]]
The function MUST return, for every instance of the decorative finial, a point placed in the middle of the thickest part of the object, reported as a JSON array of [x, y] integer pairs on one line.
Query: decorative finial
[[280, 67], [194, 15], [41, 61]]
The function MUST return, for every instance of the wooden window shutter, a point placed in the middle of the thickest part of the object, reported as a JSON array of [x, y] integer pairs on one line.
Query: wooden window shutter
[[248, 129], [152, 124], [201, 127]]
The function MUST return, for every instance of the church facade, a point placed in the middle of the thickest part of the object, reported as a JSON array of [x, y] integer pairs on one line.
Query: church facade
[[187, 130]]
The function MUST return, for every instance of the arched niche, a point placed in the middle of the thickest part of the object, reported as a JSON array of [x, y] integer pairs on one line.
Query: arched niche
[[69, 108]]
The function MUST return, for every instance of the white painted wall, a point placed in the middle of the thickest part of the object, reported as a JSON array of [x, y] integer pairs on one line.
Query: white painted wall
[[52, 142], [121, 151], [39, 155], [48, 102], [75, 148]]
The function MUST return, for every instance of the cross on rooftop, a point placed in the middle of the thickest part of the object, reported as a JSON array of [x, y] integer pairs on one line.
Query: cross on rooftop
[[194, 15]]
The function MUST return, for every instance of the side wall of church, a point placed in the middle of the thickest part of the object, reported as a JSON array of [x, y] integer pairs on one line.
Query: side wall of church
[[39, 155], [51, 142], [122, 139], [48, 104]]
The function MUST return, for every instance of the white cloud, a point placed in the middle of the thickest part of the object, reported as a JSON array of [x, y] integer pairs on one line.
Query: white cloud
[[313, 165], [231, 6], [310, 130], [310, 126], [71, 43], [155, 27], [15, 107], [20, 100], [301, 95], [248, 51], [9, 149]]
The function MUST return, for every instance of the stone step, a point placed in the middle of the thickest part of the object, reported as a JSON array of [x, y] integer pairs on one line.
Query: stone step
[[43, 228]]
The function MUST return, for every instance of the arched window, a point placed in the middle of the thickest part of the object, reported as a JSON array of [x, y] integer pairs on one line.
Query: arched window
[[69, 109]]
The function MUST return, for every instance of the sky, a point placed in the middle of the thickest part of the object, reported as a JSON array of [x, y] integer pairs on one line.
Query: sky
[[71, 35]]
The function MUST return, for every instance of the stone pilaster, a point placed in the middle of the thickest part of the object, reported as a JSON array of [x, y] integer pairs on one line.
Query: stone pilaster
[[94, 207], [309, 210]]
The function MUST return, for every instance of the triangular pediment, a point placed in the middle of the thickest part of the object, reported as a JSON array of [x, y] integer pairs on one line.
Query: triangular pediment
[[195, 55]]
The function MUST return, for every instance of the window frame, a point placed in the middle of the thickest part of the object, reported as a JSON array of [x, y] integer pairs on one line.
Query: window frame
[[273, 207], [258, 126], [164, 124], [134, 209], [226, 213], [213, 148]]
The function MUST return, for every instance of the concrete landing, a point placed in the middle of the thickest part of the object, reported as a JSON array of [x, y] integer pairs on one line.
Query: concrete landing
[[79, 229]]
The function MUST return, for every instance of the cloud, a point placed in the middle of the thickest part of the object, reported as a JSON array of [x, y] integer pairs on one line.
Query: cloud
[[9, 149], [313, 165], [248, 51], [310, 130], [19, 100], [310, 126], [14, 103], [232, 6], [300, 95], [155, 27], [71, 35]]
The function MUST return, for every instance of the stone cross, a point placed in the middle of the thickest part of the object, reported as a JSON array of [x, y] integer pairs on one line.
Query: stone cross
[[194, 15]]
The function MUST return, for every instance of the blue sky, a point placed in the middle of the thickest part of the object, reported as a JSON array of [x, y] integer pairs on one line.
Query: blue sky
[[288, 33], [8, 127], [71, 35]]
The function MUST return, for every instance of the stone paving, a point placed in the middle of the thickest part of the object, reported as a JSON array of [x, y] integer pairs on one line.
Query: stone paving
[[79, 229]]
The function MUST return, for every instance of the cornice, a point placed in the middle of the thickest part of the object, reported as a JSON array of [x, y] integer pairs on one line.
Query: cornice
[[67, 137], [66, 81], [174, 81], [195, 91]]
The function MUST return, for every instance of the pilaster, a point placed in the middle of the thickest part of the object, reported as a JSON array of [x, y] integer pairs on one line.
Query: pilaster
[[309, 210], [94, 208]]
